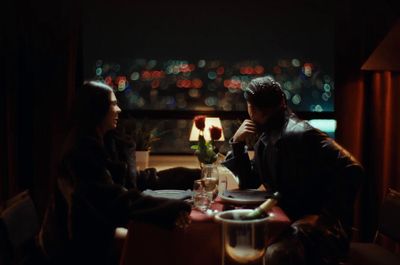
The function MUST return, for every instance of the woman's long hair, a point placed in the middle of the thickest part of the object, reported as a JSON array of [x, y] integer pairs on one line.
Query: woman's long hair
[[92, 103]]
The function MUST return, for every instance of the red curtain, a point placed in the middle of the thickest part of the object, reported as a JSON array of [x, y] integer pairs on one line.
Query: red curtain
[[368, 113], [386, 130]]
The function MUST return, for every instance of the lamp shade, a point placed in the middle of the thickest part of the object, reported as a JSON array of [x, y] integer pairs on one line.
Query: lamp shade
[[209, 122]]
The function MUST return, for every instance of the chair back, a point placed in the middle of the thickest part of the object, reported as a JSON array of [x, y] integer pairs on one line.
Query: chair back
[[18, 227], [389, 220]]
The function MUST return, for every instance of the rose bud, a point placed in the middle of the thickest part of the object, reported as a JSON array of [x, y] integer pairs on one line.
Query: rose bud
[[200, 122], [215, 132]]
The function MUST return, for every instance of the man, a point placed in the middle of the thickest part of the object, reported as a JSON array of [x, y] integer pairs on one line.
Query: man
[[317, 178]]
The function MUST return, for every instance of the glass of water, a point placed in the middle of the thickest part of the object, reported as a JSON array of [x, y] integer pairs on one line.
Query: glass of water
[[201, 198]]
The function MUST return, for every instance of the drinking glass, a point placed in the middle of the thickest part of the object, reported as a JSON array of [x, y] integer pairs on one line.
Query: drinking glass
[[201, 198], [210, 177]]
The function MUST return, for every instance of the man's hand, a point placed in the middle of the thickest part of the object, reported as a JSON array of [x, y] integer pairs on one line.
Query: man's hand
[[247, 128]]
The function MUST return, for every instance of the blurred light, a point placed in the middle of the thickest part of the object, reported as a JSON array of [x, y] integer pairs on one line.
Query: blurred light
[[296, 99], [288, 85], [307, 69], [108, 80], [328, 126], [325, 97], [227, 83], [212, 75], [175, 69], [327, 87], [155, 83], [169, 70], [318, 108], [210, 121], [295, 62], [179, 83], [146, 75], [220, 70], [287, 94], [121, 84], [211, 101], [135, 76], [98, 71], [194, 93], [197, 83], [201, 63], [151, 64], [259, 70]]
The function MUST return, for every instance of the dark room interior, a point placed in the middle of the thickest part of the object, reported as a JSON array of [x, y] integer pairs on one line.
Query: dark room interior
[[48, 49]]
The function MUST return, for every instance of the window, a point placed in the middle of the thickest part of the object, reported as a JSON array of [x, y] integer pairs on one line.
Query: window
[[170, 62]]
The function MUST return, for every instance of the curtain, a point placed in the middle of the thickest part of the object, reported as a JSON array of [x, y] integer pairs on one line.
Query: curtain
[[367, 105], [42, 67]]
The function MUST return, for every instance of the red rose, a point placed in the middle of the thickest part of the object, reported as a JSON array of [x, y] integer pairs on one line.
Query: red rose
[[200, 122], [215, 133]]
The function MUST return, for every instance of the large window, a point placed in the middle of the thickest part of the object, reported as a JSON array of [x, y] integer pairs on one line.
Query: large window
[[169, 63]]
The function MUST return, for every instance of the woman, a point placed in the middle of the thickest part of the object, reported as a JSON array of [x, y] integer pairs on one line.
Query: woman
[[87, 207]]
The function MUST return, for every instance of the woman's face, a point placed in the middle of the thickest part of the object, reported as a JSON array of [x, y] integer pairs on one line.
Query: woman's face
[[111, 119]]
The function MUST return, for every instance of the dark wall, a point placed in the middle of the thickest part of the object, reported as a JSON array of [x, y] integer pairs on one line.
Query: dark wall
[[232, 30]]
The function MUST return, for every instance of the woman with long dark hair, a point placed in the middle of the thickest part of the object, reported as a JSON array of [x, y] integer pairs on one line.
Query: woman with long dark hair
[[80, 223]]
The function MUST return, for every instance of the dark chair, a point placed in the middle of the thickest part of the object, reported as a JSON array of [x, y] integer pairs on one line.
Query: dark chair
[[389, 226], [18, 228]]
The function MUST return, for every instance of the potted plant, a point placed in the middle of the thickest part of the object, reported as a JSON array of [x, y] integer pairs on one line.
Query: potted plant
[[142, 135]]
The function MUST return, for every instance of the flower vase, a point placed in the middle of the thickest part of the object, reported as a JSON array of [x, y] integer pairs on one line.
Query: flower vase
[[142, 159], [210, 178]]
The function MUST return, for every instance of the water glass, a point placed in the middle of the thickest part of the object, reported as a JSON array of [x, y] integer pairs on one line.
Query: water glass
[[201, 198], [210, 178]]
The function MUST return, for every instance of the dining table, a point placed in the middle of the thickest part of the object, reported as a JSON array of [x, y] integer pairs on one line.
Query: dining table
[[200, 243]]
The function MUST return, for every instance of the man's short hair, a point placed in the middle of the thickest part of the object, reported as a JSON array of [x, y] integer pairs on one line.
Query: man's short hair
[[264, 92]]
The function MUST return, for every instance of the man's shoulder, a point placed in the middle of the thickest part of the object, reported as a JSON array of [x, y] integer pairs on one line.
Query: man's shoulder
[[296, 126]]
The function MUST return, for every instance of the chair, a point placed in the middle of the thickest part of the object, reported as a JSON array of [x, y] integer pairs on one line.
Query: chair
[[18, 228], [389, 226]]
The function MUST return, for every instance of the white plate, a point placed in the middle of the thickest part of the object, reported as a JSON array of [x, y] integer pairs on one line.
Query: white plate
[[245, 197], [169, 194]]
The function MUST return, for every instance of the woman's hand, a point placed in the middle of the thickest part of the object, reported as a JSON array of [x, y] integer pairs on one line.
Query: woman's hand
[[247, 128], [183, 220]]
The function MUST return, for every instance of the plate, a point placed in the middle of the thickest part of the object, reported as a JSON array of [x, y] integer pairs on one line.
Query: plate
[[245, 197], [169, 194]]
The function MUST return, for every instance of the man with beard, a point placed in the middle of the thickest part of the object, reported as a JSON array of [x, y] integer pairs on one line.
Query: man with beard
[[316, 177]]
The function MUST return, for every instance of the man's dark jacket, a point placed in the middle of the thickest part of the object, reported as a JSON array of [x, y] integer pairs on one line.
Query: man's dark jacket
[[312, 172]]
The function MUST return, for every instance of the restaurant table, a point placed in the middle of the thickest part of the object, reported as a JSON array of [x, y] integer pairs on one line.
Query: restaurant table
[[198, 244]]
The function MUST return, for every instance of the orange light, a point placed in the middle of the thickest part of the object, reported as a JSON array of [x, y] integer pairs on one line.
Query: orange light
[[259, 70], [197, 83]]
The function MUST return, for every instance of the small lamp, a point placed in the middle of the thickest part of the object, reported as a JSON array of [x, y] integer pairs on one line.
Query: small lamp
[[209, 122]]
